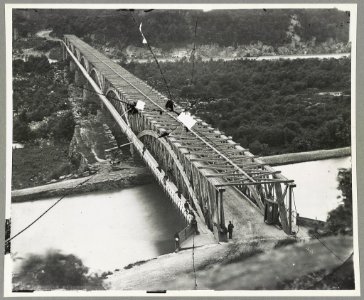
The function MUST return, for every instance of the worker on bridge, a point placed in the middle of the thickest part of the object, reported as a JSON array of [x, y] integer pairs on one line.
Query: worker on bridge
[[230, 230], [132, 108], [176, 240], [170, 105]]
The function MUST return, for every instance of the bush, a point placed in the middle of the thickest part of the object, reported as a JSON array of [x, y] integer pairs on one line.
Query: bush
[[285, 242], [21, 131], [340, 220], [37, 64], [62, 125], [62, 169], [56, 271]]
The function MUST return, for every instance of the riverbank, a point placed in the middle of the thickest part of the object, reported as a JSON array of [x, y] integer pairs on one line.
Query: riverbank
[[105, 180], [291, 158]]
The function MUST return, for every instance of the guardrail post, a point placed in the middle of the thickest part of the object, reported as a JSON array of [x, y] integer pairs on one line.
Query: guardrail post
[[290, 209], [222, 215]]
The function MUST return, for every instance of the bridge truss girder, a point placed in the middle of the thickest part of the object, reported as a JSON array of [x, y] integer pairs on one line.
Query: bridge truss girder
[[208, 157]]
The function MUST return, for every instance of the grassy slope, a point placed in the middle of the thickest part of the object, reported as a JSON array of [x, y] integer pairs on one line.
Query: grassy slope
[[34, 165]]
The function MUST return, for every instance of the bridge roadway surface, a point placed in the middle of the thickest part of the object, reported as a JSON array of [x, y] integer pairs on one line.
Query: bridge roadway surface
[[247, 219]]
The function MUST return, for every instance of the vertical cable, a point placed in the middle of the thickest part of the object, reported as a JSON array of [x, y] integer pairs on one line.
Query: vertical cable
[[193, 259], [156, 60]]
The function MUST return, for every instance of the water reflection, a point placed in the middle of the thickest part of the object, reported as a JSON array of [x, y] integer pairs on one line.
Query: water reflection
[[316, 192], [106, 230]]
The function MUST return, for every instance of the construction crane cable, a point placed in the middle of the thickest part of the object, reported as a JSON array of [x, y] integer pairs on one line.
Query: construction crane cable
[[193, 259], [155, 59], [193, 55], [47, 210]]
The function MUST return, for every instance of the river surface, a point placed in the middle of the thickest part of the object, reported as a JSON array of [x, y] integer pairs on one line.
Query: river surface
[[316, 192], [110, 230], [263, 57], [106, 230]]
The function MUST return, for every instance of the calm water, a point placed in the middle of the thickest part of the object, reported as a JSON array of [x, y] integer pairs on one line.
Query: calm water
[[111, 230], [316, 192], [263, 57], [106, 230]]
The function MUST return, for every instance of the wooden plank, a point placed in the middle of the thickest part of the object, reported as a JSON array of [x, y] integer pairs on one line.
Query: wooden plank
[[258, 172], [225, 146], [212, 167], [214, 154], [235, 150], [207, 159], [253, 183], [190, 146], [190, 139], [225, 175], [240, 166]]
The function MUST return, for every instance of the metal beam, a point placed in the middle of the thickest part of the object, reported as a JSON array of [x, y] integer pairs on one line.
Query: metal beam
[[226, 175], [253, 183]]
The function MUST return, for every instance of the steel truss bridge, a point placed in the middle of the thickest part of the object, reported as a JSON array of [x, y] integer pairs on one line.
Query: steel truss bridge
[[198, 165]]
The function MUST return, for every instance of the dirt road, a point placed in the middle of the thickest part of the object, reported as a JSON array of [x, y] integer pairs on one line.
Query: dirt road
[[213, 271]]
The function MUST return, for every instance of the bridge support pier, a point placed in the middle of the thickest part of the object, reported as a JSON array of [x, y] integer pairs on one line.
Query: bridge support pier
[[132, 151], [72, 66], [222, 216], [219, 227], [80, 80], [86, 92], [290, 209], [64, 52]]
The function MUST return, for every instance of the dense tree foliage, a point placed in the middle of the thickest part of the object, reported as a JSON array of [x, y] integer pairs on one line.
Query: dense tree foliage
[[40, 95], [340, 220], [55, 270], [268, 106], [173, 28]]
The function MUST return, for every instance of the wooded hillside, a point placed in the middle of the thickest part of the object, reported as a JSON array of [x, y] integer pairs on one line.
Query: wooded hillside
[[270, 107], [172, 28]]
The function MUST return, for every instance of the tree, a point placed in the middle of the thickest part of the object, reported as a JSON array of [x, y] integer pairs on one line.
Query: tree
[[257, 147], [340, 220], [62, 125], [37, 64], [55, 270], [21, 131]]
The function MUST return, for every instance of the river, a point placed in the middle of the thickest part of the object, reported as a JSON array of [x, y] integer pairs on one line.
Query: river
[[107, 230], [316, 192], [258, 58]]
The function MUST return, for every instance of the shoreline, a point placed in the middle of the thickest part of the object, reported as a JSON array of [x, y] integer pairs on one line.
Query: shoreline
[[292, 158], [114, 180], [257, 58]]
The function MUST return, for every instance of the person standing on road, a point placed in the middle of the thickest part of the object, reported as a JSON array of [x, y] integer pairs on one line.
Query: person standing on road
[[230, 230], [176, 240]]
